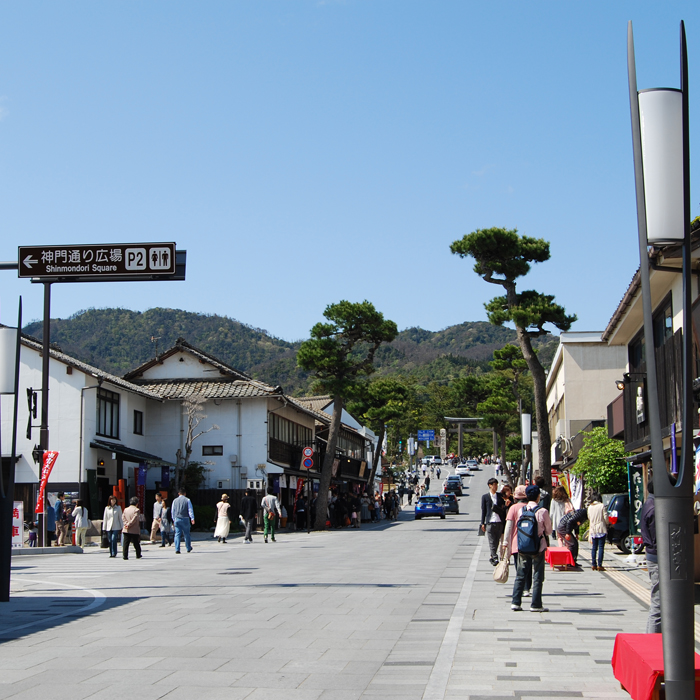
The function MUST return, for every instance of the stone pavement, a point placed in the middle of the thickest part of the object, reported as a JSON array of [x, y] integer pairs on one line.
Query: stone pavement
[[405, 609]]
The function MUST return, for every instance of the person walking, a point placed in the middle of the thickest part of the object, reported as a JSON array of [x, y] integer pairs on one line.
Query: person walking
[[438, 472], [271, 509], [81, 523], [50, 517], [166, 525], [567, 528], [427, 483], [534, 525], [560, 506], [182, 514], [301, 513], [132, 528], [249, 511], [61, 523], [492, 516], [112, 524], [365, 515], [597, 531], [648, 528], [157, 510], [545, 497], [223, 520], [510, 536]]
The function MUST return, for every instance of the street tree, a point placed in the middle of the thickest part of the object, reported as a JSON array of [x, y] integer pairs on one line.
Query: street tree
[[192, 410], [377, 403], [339, 353], [601, 462], [501, 257]]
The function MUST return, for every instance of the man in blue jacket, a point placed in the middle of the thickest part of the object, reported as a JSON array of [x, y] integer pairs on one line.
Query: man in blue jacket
[[182, 514], [61, 523]]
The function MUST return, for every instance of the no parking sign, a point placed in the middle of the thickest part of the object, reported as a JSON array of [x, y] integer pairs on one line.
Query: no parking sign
[[307, 461]]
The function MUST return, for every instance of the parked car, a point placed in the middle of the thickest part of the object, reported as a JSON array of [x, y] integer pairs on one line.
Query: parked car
[[429, 505], [453, 484], [450, 502], [619, 530]]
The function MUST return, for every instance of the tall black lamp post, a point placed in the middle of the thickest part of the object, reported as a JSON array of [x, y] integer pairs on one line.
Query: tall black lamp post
[[662, 179]]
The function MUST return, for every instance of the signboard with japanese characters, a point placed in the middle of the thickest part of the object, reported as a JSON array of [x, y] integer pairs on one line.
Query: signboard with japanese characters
[[97, 260], [17, 524], [636, 492]]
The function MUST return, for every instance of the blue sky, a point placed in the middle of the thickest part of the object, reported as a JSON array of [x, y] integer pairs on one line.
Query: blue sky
[[307, 152]]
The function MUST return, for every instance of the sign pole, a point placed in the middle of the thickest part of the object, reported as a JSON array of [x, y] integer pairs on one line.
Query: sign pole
[[44, 428]]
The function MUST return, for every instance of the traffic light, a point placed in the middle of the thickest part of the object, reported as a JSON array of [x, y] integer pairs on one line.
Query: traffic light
[[400, 447]]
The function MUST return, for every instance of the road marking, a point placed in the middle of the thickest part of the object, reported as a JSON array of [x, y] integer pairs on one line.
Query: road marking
[[437, 683], [98, 599]]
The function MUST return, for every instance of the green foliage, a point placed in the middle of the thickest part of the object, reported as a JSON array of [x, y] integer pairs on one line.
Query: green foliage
[[499, 251], [601, 462], [531, 310], [379, 401], [193, 476], [343, 349], [204, 517]]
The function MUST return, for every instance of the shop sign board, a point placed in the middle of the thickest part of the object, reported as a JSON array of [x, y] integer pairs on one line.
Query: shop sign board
[[635, 475], [96, 261], [17, 524]]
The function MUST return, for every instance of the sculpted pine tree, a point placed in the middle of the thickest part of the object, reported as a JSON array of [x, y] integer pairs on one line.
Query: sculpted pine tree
[[502, 256], [376, 403], [338, 353]]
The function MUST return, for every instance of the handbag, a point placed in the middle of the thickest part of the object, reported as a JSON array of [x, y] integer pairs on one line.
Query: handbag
[[500, 573]]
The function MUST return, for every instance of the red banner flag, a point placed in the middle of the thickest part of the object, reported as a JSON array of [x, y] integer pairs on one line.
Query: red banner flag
[[300, 486], [50, 457]]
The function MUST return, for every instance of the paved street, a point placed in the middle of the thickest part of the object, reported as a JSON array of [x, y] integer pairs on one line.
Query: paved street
[[403, 609]]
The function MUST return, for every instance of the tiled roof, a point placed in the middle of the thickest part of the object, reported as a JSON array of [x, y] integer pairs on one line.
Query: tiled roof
[[181, 345], [319, 415], [223, 388], [29, 342], [315, 403]]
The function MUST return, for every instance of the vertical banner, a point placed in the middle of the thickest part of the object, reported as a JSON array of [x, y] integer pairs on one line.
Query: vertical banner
[[141, 486], [17, 524], [50, 457], [635, 482], [300, 485], [443, 444]]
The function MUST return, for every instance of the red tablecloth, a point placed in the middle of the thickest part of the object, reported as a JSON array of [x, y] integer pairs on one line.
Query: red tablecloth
[[638, 660], [558, 556]]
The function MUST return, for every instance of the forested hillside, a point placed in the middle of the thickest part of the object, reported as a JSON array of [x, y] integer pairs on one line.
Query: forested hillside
[[118, 340]]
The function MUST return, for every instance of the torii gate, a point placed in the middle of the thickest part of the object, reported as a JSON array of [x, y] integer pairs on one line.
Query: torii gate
[[470, 424]]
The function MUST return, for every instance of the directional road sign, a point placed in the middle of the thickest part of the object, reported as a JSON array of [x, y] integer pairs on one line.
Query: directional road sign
[[426, 435], [308, 452], [97, 261]]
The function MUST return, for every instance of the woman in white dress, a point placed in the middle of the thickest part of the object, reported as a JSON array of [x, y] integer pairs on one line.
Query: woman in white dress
[[223, 521]]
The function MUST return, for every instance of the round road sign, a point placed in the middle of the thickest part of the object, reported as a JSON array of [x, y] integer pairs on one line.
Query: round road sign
[[308, 452], [308, 462]]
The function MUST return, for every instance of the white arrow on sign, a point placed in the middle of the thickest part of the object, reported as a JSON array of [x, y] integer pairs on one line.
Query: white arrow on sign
[[29, 261]]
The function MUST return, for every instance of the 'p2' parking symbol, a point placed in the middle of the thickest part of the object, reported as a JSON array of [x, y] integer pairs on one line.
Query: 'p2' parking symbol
[[135, 258]]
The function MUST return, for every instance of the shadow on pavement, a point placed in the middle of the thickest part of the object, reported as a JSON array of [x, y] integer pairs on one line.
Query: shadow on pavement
[[24, 615]]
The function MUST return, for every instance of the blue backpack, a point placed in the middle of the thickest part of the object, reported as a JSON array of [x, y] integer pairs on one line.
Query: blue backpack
[[528, 537]]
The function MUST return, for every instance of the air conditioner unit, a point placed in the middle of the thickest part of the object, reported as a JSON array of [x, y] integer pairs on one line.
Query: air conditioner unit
[[223, 484]]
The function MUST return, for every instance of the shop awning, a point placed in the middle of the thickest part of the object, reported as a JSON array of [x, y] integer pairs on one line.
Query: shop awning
[[129, 454]]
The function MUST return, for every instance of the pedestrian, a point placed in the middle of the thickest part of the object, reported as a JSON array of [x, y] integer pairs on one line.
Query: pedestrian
[[33, 533], [249, 511], [546, 497], [510, 536], [157, 510], [648, 528], [81, 522], [271, 509], [492, 516], [567, 530], [301, 513], [377, 506], [166, 525], [365, 514], [61, 524], [410, 495], [597, 531], [223, 519], [50, 519], [112, 524], [355, 511], [427, 483], [560, 506], [534, 525], [507, 493], [182, 514], [132, 528], [437, 471]]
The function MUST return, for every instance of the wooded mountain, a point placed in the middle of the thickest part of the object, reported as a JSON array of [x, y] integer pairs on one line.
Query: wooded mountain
[[117, 340]]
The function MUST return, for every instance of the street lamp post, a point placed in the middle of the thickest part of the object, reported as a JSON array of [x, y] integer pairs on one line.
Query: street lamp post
[[660, 137]]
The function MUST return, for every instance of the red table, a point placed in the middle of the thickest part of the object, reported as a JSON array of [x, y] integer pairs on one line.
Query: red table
[[558, 556], [638, 663]]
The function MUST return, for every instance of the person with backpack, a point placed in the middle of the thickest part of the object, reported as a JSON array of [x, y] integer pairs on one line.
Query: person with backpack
[[533, 527], [510, 537]]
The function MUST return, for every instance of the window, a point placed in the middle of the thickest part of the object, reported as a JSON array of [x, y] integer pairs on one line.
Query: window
[[663, 331], [138, 422], [212, 450], [290, 433], [107, 413]]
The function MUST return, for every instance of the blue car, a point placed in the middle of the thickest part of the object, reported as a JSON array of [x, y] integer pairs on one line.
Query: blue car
[[429, 505]]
